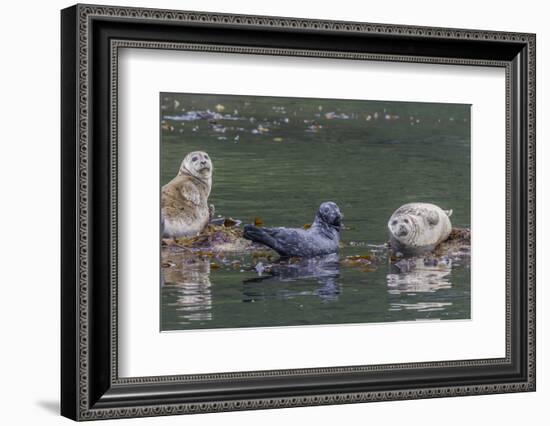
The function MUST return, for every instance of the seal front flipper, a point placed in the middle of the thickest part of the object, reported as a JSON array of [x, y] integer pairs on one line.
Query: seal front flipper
[[433, 218], [191, 193]]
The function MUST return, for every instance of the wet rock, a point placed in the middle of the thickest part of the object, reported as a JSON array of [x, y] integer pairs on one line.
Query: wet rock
[[456, 248], [458, 244], [220, 236]]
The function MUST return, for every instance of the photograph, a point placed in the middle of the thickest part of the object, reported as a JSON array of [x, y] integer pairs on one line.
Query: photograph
[[284, 211]]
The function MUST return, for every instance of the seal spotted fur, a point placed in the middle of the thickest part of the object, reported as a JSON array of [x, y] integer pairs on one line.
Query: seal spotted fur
[[184, 200], [323, 237]]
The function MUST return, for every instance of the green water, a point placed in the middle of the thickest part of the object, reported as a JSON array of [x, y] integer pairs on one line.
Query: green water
[[278, 159]]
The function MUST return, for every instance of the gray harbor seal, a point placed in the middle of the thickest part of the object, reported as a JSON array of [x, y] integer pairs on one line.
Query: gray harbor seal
[[321, 238], [184, 200], [418, 227]]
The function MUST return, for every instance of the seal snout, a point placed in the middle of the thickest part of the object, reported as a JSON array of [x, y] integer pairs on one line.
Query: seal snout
[[204, 164], [330, 214], [338, 219], [402, 231]]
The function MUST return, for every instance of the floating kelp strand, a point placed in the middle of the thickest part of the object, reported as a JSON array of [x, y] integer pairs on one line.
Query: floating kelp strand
[[201, 115], [258, 221]]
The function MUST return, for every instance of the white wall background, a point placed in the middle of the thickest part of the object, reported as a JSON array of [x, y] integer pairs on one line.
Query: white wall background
[[29, 213]]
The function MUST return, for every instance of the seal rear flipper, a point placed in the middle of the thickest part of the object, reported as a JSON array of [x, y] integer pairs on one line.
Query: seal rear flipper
[[449, 212], [259, 235]]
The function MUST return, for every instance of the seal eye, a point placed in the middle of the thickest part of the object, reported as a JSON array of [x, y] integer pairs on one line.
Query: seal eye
[[206, 156], [406, 220], [394, 222], [195, 158]]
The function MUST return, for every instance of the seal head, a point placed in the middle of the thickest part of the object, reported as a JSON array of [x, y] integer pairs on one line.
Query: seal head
[[418, 227], [401, 227], [199, 165], [330, 214]]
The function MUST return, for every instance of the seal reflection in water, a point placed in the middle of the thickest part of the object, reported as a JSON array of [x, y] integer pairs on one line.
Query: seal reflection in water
[[184, 200], [186, 287], [418, 288], [416, 228], [323, 270], [323, 237]]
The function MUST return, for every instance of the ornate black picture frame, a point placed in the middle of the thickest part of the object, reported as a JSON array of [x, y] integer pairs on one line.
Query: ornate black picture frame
[[91, 36]]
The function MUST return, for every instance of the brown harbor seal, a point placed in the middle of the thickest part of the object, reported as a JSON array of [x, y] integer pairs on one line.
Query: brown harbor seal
[[184, 200], [418, 227]]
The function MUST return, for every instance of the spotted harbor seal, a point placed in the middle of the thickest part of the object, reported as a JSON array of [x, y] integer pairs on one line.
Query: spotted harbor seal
[[418, 227], [184, 200], [321, 238]]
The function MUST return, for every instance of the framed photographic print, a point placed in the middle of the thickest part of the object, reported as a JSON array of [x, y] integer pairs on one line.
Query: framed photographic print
[[263, 212]]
